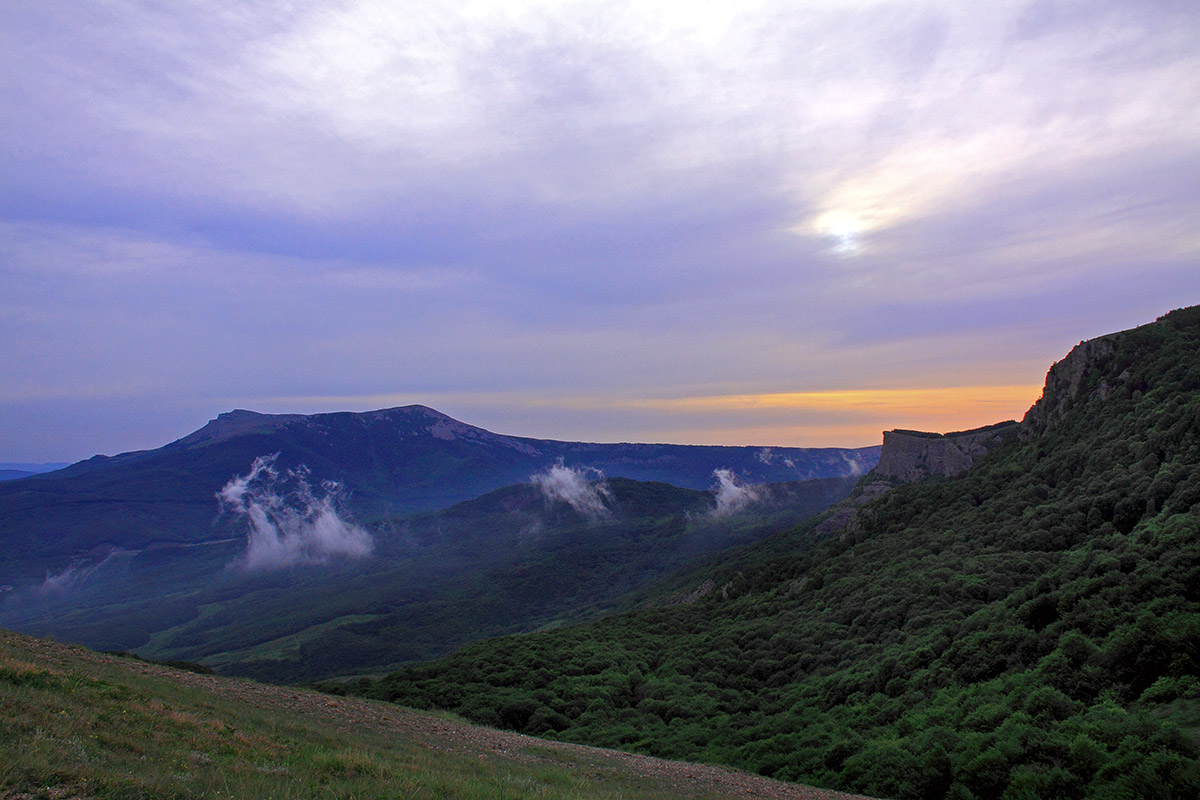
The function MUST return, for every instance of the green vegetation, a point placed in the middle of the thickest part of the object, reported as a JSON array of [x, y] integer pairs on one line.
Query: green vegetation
[[77, 724], [393, 462], [1030, 629], [503, 563]]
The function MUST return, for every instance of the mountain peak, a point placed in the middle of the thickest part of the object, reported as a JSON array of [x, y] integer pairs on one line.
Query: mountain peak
[[1064, 382], [240, 421], [236, 423]]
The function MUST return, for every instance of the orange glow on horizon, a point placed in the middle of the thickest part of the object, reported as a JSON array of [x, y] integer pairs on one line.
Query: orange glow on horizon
[[834, 418], [931, 400], [844, 418]]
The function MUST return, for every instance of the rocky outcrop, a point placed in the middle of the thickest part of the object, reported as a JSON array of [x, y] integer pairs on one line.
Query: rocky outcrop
[[1067, 382], [914, 455], [843, 518], [685, 597], [1094, 370]]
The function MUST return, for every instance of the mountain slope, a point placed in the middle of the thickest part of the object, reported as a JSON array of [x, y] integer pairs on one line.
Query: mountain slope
[[79, 724], [1029, 628], [514, 560], [389, 462]]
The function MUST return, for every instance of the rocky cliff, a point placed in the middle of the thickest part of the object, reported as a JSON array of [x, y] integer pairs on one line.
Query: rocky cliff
[[1079, 373], [1111, 367], [914, 455], [1083, 373]]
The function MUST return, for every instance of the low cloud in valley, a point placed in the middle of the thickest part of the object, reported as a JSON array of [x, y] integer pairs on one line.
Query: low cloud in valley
[[582, 488], [731, 495], [288, 523]]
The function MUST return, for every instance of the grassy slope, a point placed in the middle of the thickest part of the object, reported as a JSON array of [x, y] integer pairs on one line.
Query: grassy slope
[[1031, 628], [78, 724]]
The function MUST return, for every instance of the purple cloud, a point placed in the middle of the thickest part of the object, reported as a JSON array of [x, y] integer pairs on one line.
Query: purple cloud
[[488, 203]]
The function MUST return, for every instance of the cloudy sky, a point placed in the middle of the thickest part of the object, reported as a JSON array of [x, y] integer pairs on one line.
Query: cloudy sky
[[793, 223]]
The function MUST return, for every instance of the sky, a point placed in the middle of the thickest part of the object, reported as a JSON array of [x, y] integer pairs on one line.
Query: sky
[[789, 224]]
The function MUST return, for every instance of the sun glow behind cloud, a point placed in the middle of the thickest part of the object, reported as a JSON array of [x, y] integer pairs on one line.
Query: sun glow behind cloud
[[578, 206]]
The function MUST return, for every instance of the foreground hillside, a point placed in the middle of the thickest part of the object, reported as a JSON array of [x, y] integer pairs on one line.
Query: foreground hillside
[[1029, 628], [77, 724]]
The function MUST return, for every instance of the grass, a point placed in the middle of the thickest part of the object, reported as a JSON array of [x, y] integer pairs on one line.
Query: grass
[[76, 724], [285, 646]]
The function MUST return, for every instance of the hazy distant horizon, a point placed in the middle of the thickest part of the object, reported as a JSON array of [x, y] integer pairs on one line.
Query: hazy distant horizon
[[47, 466]]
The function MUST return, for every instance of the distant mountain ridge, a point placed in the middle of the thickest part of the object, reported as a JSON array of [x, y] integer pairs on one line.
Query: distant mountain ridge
[[397, 432], [10, 471], [391, 461]]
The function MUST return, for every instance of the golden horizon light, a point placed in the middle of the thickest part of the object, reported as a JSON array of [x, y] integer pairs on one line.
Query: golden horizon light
[[830, 418]]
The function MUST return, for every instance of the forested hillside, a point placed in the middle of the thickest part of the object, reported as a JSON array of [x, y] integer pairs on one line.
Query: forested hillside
[[1030, 628], [511, 561]]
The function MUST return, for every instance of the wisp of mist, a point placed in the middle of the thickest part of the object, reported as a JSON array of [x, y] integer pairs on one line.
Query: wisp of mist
[[731, 496], [288, 523], [582, 488]]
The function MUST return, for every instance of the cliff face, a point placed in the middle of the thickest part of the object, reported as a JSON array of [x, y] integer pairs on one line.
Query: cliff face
[[1067, 381], [1120, 367], [913, 455], [1086, 372]]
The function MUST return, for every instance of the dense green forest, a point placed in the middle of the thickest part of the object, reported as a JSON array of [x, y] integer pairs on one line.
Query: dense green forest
[[1029, 629]]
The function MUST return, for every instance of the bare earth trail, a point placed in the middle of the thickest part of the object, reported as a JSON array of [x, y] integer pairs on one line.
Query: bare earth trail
[[437, 733]]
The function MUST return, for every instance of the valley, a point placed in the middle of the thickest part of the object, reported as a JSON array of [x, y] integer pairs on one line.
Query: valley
[[1012, 611], [288, 570]]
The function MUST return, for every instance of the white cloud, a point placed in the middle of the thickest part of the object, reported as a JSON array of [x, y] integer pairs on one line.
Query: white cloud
[[582, 488], [287, 523], [731, 494]]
